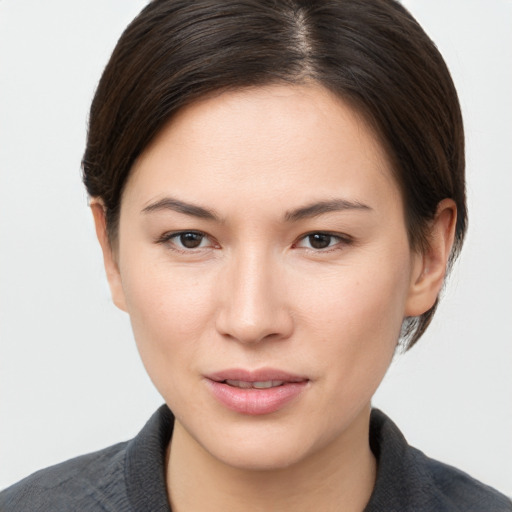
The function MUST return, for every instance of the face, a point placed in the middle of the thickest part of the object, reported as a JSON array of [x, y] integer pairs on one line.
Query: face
[[264, 262]]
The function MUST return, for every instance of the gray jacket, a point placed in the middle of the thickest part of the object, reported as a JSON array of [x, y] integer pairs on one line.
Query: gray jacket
[[130, 477]]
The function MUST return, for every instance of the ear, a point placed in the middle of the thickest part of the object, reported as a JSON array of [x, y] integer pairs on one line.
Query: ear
[[109, 256], [429, 269]]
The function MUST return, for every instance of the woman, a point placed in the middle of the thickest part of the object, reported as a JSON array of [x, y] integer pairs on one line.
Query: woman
[[278, 190]]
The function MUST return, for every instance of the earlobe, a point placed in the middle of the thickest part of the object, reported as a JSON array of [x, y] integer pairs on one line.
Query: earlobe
[[109, 258], [429, 269]]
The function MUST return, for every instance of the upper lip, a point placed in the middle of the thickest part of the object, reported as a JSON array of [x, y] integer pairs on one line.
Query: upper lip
[[259, 375]]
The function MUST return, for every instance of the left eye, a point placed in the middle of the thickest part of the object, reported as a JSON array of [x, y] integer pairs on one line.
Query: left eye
[[319, 241], [189, 240]]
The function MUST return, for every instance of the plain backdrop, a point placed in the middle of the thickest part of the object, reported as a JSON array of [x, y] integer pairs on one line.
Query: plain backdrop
[[70, 376]]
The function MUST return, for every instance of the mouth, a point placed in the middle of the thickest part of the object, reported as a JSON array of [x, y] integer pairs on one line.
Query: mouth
[[242, 384], [261, 378], [256, 392]]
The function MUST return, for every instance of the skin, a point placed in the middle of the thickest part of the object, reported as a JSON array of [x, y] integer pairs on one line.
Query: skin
[[256, 293]]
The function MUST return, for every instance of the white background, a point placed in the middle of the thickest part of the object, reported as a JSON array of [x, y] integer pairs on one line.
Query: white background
[[70, 377]]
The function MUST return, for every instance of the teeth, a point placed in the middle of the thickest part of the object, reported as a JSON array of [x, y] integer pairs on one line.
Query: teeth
[[239, 384], [267, 384], [257, 385]]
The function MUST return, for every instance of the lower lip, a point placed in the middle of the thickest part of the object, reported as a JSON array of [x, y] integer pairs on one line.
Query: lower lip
[[256, 401]]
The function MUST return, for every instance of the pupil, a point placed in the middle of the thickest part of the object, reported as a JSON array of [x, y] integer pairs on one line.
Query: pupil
[[191, 240], [319, 241]]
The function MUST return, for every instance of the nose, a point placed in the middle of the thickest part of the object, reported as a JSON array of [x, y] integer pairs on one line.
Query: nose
[[253, 301]]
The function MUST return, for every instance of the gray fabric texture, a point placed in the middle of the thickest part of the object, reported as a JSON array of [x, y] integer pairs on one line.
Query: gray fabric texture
[[130, 477]]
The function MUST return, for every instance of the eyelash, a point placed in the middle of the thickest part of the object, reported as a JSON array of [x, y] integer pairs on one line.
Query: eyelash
[[341, 241], [167, 238]]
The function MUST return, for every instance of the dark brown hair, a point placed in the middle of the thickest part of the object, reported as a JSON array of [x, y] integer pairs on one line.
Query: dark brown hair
[[371, 53]]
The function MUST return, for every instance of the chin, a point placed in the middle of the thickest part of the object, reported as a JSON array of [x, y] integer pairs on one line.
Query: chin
[[261, 458], [261, 447]]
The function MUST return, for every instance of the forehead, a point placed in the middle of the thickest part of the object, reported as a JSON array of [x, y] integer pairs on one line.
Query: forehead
[[278, 142]]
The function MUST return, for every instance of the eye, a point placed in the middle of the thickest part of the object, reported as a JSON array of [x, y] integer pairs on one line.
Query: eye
[[321, 241], [187, 240]]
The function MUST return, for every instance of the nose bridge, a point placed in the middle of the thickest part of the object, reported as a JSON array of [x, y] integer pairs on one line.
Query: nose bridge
[[254, 306]]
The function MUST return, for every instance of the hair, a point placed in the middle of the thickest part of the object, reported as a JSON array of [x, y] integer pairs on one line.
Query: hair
[[370, 53]]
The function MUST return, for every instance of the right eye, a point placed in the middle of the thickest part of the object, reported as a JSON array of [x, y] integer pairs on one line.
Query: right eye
[[187, 240]]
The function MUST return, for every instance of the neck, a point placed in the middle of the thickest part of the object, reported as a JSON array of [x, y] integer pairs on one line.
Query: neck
[[340, 476]]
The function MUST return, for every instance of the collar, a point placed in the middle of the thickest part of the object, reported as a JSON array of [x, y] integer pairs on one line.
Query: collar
[[406, 478], [145, 463]]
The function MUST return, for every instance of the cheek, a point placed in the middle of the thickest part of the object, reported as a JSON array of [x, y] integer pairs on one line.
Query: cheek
[[357, 322], [169, 310], [357, 302]]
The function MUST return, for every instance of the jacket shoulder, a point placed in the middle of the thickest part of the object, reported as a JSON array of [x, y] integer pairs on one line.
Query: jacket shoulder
[[459, 491], [91, 482]]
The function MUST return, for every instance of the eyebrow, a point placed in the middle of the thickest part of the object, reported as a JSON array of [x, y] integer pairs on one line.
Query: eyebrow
[[321, 207], [304, 212], [169, 203]]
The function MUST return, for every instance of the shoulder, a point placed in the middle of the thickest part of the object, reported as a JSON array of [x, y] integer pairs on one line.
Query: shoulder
[[91, 482], [456, 490], [125, 477], [409, 480]]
